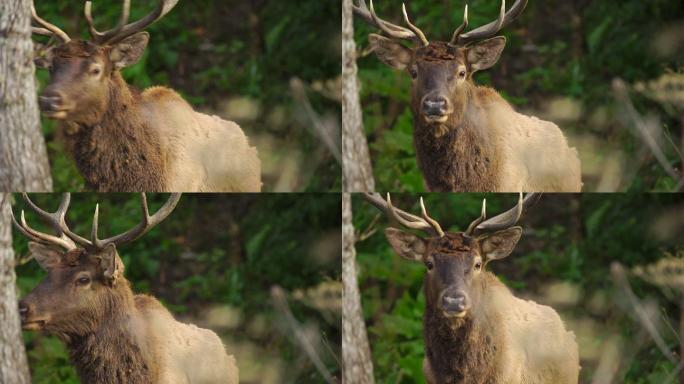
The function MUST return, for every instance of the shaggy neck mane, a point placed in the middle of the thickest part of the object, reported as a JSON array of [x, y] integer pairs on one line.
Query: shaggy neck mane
[[121, 152], [457, 155], [459, 350], [109, 352]]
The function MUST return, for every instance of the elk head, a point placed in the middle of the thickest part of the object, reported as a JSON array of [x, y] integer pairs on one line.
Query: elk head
[[85, 281], [441, 72], [82, 71], [454, 261]]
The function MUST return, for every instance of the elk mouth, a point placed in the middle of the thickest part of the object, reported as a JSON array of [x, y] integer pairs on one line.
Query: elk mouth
[[436, 119], [454, 314], [53, 107], [33, 325], [56, 115]]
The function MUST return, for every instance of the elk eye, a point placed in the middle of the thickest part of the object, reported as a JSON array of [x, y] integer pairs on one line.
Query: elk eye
[[478, 265], [83, 281], [429, 265], [95, 71], [413, 73], [462, 74]]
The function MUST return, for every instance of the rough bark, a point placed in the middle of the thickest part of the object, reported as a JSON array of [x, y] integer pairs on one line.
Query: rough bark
[[356, 165], [13, 366], [23, 156], [357, 362]]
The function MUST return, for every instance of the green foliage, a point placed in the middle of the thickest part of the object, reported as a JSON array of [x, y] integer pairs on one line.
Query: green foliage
[[568, 50], [221, 50], [215, 250], [570, 239]]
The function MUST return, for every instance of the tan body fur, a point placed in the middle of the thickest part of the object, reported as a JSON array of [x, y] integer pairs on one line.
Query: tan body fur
[[203, 153], [534, 154], [186, 354]]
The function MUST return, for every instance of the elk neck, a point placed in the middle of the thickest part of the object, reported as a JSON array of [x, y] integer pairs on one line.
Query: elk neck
[[458, 155], [461, 350], [114, 351], [122, 152]]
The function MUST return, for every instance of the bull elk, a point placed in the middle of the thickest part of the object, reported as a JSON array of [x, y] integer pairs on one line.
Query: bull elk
[[467, 137], [124, 139], [475, 330], [112, 334]]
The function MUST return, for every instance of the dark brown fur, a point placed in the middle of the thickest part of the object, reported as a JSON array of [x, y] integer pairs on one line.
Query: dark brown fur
[[98, 332], [456, 155], [114, 147], [120, 153], [458, 355], [460, 160]]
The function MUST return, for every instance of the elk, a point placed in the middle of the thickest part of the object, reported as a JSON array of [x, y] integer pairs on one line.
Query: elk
[[475, 329], [112, 334], [467, 137], [126, 140]]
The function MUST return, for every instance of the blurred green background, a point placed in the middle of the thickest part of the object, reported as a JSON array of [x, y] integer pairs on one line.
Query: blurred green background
[[562, 260], [559, 64], [271, 66], [213, 262]]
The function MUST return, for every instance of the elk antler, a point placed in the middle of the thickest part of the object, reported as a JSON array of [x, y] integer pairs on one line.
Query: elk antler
[[392, 30], [55, 219], [48, 29], [503, 220], [69, 240], [406, 219], [488, 30], [123, 30]]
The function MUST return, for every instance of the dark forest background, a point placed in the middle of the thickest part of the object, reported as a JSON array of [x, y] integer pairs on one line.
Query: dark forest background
[[581, 64], [215, 262], [271, 66], [569, 256]]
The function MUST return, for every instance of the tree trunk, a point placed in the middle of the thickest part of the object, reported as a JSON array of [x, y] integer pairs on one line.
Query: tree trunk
[[23, 157], [356, 356], [13, 366], [356, 166]]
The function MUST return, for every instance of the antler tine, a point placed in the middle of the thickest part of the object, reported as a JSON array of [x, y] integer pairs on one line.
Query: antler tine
[[476, 222], [147, 223], [433, 223], [404, 218], [460, 29], [51, 28], [392, 30], [163, 8], [55, 219], [102, 37], [416, 30], [489, 30], [510, 217]]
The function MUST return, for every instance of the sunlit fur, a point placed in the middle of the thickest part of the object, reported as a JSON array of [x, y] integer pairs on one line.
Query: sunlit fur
[[126, 140], [114, 336], [501, 339]]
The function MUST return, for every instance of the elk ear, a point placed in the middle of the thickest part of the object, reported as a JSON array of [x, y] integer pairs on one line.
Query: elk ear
[[390, 52], [47, 257], [499, 244], [111, 264], [42, 56], [406, 245], [129, 50], [486, 53]]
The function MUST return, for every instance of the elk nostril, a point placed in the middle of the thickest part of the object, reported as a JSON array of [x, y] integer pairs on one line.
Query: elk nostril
[[435, 106]]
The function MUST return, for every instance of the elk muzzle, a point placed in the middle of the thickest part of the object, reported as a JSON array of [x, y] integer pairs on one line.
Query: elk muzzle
[[54, 104], [29, 320], [454, 302], [435, 108]]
